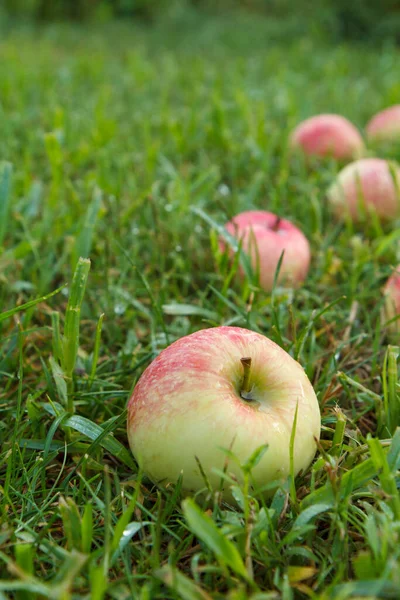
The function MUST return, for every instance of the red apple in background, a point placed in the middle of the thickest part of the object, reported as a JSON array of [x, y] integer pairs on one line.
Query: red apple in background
[[328, 135], [264, 237], [385, 125], [391, 307], [223, 387], [369, 185]]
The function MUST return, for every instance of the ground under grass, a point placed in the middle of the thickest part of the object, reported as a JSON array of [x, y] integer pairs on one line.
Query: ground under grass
[[111, 137]]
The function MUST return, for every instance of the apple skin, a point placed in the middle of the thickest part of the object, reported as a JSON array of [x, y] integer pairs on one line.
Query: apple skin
[[328, 135], [385, 125], [391, 307], [366, 186], [187, 403], [264, 237]]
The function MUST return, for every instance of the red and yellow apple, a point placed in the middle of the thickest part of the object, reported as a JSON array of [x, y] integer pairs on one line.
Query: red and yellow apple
[[391, 308], [366, 186], [327, 135], [222, 388], [385, 125], [264, 236]]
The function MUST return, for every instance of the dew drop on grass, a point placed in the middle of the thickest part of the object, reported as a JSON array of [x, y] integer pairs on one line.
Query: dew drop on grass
[[119, 308], [224, 190]]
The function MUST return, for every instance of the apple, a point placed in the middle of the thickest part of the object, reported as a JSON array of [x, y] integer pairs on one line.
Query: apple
[[327, 135], [222, 388], [391, 307], [264, 237], [385, 125], [369, 185]]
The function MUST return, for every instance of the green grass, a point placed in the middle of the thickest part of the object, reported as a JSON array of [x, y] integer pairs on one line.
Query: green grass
[[130, 147]]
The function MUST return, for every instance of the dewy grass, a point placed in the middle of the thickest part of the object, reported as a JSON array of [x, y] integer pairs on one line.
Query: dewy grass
[[132, 147]]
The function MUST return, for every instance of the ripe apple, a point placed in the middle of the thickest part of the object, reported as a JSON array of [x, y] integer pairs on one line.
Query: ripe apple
[[369, 185], [223, 387], [385, 125], [391, 307], [264, 237], [327, 135]]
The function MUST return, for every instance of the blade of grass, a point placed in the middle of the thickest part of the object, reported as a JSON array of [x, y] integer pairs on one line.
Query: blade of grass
[[30, 304], [5, 196], [206, 530]]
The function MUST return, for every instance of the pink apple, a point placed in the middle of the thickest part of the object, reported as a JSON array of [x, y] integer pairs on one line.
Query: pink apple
[[369, 185], [385, 125], [392, 303], [328, 135], [223, 387], [264, 237]]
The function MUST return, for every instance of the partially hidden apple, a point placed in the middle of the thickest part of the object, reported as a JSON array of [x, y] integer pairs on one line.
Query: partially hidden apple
[[327, 135], [385, 125], [222, 388], [264, 236], [391, 308], [366, 186]]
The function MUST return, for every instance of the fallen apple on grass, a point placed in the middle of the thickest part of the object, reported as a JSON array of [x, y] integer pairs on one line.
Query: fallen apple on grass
[[222, 388], [391, 308], [385, 125], [327, 135], [365, 187], [264, 236]]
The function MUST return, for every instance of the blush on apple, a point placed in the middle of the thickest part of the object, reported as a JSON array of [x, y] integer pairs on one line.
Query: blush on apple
[[366, 186], [223, 387], [391, 308], [327, 135], [385, 125], [264, 237]]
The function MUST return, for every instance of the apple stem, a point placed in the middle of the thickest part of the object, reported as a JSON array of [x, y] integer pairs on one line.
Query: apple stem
[[246, 388], [275, 226]]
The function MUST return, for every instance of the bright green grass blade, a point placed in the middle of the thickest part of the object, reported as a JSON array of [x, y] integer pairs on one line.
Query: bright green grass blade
[[206, 530], [72, 318], [57, 344], [101, 436], [24, 557], [338, 436], [98, 582], [391, 393], [352, 480], [87, 528], [5, 197], [59, 379], [123, 521], [84, 242], [71, 522], [9, 313]]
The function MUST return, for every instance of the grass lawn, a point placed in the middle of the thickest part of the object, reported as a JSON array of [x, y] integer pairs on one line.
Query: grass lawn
[[131, 146]]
